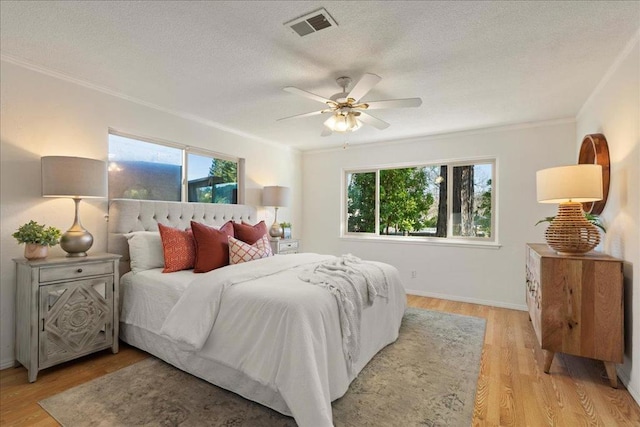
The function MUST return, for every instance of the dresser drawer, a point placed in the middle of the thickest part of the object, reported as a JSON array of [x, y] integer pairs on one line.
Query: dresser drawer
[[76, 271]]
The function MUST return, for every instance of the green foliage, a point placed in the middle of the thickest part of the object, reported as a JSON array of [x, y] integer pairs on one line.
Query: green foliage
[[483, 212], [361, 198], [285, 224], [593, 219], [225, 169], [32, 232], [404, 200], [137, 193]]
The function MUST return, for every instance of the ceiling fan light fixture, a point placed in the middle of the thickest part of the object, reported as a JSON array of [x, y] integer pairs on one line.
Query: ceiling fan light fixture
[[343, 123]]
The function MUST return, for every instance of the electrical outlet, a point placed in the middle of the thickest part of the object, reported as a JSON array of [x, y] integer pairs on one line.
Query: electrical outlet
[[413, 274]]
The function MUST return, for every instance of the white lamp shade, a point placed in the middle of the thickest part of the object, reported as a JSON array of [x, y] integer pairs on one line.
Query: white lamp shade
[[276, 196], [76, 177], [577, 183]]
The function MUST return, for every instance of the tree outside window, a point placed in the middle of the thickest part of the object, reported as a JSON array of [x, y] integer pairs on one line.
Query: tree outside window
[[415, 201]]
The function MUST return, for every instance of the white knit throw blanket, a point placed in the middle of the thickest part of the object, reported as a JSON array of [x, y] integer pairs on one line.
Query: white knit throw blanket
[[355, 284]]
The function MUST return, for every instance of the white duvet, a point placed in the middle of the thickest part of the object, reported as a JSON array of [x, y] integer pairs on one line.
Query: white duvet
[[261, 319]]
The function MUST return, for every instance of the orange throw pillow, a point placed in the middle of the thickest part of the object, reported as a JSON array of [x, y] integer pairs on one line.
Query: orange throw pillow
[[179, 248], [212, 246], [249, 233]]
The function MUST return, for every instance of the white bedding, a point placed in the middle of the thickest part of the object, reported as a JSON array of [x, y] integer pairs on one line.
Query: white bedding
[[281, 333]]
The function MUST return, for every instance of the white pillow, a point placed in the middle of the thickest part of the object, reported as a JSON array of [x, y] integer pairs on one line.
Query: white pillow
[[240, 251], [145, 250]]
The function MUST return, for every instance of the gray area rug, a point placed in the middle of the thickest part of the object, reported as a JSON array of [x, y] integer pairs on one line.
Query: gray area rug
[[428, 377]]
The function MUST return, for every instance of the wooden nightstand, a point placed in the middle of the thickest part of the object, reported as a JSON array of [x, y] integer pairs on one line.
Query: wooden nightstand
[[285, 246], [65, 308], [576, 305]]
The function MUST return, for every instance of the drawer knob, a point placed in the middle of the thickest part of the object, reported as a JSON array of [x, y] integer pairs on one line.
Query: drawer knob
[[79, 270]]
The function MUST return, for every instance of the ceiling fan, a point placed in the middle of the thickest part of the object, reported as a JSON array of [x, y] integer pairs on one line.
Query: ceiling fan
[[347, 112]]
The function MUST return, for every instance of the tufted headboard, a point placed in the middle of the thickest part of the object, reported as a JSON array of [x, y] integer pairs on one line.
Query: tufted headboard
[[127, 215]]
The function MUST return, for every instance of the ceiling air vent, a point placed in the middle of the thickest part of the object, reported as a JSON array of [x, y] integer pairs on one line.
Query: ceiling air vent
[[311, 22]]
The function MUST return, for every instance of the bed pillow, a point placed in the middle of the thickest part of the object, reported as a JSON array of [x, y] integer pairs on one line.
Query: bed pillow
[[249, 233], [178, 247], [145, 250], [212, 246], [240, 251]]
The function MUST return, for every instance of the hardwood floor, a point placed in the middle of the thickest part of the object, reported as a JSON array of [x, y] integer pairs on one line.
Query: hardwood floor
[[512, 389]]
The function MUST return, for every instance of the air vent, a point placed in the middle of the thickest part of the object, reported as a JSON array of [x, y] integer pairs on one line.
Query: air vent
[[311, 22]]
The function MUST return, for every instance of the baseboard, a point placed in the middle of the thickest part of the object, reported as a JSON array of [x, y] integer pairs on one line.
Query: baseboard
[[521, 307], [626, 380], [5, 364]]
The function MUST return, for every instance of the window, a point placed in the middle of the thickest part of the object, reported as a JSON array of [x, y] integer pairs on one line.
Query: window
[[155, 171], [418, 201], [212, 180]]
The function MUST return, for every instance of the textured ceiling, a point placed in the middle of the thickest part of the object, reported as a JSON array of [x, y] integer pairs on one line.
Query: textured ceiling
[[474, 64]]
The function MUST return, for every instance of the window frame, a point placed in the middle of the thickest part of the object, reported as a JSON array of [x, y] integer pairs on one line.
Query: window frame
[[186, 150], [450, 239]]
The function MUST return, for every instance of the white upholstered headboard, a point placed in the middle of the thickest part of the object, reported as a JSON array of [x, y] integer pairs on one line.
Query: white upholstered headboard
[[127, 215]]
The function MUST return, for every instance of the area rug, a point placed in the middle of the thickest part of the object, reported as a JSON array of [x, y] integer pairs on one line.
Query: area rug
[[428, 377]]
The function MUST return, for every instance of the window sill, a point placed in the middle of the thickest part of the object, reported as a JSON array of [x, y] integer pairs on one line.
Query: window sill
[[423, 241]]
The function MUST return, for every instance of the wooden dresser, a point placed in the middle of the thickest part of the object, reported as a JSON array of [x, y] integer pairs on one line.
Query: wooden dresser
[[576, 305]]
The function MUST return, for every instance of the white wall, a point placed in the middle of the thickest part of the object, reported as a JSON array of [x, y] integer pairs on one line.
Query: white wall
[[483, 275], [42, 115], [614, 110]]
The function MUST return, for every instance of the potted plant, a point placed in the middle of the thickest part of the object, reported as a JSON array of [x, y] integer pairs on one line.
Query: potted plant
[[37, 239], [286, 230]]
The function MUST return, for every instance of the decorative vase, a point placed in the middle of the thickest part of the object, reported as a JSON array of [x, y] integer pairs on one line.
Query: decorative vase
[[34, 251]]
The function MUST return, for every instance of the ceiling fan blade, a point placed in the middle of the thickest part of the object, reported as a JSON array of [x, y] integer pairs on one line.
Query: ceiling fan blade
[[309, 95], [326, 132], [297, 116], [373, 121], [364, 85], [394, 103]]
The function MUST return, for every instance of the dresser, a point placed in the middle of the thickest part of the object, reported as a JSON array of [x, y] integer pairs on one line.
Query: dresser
[[65, 308], [285, 246], [576, 305]]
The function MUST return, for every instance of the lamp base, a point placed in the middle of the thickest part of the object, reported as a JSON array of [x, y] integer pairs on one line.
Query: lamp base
[[570, 233], [275, 231], [76, 243]]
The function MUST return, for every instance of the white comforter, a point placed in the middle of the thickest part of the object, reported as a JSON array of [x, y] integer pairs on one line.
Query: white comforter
[[262, 320]]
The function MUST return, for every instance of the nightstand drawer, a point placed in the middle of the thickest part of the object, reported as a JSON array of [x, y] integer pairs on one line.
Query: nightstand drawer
[[285, 245], [76, 271]]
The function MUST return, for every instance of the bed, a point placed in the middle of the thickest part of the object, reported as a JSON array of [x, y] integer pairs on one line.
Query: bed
[[273, 339]]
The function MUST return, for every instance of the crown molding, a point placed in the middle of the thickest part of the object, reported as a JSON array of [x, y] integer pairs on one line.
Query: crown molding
[[448, 135], [181, 114]]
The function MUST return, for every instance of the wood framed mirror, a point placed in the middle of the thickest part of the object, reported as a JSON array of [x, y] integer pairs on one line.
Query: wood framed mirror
[[595, 151]]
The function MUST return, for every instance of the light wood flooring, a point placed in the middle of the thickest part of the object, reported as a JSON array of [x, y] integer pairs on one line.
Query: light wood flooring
[[512, 389]]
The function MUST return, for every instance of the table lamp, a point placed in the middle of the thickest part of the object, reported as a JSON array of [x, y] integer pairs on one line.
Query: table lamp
[[78, 178], [570, 233], [277, 197]]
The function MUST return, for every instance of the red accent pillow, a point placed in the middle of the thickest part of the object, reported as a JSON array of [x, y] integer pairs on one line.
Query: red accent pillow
[[212, 246], [249, 233], [179, 248]]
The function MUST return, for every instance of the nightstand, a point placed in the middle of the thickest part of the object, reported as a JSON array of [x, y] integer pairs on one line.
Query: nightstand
[[285, 246], [65, 308], [576, 305]]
